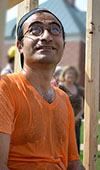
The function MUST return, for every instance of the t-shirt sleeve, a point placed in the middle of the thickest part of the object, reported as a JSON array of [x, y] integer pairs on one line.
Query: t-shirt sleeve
[[72, 146], [6, 107]]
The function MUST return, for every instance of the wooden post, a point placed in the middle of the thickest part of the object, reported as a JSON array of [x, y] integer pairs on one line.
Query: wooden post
[[21, 12], [3, 8], [30, 4], [12, 3], [92, 85], [23, 7]]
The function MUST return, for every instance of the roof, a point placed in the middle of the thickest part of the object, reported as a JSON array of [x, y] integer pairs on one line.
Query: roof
[[73, 20]]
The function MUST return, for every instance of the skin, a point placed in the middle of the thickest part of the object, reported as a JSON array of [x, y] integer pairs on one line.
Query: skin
[[50, 57], [41, 64]]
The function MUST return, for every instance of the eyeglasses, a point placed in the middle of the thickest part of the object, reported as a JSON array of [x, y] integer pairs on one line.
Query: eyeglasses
[[38, 29]]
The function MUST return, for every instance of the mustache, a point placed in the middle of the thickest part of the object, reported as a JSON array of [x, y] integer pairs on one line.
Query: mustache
[[41, 44]]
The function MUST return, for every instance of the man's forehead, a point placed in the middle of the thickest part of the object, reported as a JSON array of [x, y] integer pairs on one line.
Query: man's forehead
[[42, 17]]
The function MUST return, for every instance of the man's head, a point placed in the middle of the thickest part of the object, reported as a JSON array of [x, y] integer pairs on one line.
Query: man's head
[[26, 16], [40, 34]]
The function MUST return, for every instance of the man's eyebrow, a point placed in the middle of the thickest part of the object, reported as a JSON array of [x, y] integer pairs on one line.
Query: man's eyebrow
[[53, 22], [36, 22], [39, 22]]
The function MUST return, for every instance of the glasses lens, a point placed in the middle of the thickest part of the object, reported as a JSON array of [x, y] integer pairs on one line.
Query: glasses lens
[[55, 30], [36, 30]]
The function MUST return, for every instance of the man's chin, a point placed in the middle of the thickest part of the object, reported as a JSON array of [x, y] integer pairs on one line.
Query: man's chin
[[49, 61]]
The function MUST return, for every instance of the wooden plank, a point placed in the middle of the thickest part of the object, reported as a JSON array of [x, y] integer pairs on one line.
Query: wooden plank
[[21, 12], [30, 4], [12, 3], [23, 7], [92, 85], [3, 8]]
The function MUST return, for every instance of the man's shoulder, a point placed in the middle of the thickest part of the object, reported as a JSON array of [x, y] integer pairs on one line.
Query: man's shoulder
[[9, 80], [10, 85], [9, 77]]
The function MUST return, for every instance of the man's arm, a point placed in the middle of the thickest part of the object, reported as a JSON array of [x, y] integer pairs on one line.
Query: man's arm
[[4, 150], [75, 165]]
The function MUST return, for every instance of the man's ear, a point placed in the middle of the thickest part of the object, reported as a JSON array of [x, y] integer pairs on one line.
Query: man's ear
[[19, 46]]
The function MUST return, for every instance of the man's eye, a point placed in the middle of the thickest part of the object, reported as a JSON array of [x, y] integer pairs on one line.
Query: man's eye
[[36, 30], [55, 30]]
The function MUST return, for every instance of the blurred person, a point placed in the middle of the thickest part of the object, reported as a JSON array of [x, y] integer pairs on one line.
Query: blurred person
[[69, 79], [55, 78], [37, 126], [9, 68]]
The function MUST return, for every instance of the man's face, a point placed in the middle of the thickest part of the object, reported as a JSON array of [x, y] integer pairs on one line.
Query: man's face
[[42, 47]]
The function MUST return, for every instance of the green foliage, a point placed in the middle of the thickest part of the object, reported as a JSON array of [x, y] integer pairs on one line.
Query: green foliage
[[98, 160]]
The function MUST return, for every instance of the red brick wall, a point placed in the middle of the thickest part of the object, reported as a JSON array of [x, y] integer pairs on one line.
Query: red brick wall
[[74, 54]]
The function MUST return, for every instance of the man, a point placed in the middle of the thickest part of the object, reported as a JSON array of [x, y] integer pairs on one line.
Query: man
[[36, 119], [10, 66]]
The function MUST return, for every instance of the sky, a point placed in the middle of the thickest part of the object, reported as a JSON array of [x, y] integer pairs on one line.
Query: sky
[[12, 13], [81, 4]]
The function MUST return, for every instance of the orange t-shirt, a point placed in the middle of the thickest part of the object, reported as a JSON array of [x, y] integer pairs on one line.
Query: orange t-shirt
[[42, 134]]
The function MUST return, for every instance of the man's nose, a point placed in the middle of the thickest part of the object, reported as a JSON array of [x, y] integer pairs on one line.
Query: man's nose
[[46, 35]]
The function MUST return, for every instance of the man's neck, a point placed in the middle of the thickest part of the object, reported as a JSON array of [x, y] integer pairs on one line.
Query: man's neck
[[38, 75], [40, 80]]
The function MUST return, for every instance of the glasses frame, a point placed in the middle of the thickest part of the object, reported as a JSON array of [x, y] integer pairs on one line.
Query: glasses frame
[[43, 29]]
